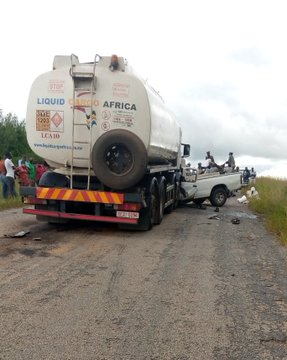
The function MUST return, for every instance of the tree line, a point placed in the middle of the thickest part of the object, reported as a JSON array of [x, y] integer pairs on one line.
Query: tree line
[[13, 137]]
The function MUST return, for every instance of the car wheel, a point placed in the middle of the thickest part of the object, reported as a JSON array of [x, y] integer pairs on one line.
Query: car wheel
[[218, 197]]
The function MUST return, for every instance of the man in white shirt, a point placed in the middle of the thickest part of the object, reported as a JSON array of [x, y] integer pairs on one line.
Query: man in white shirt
[[252, 176], [10, 175]]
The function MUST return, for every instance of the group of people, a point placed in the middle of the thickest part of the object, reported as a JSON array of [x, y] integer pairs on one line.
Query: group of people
[[211, 166], [249, 175], [27, 172]]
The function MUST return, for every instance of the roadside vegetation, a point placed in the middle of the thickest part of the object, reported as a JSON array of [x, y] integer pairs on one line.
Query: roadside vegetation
[[13, 139], [10, 203], [272, 204]]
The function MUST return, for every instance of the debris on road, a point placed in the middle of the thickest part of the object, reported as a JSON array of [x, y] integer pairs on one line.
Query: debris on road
[[17, 235], [235, 221], [214, 217]]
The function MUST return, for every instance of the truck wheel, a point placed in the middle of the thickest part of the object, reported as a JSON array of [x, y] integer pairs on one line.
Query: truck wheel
[[119, 159], [161, 200], [174, 195], [149, 216], [218, 197], [154, 202]]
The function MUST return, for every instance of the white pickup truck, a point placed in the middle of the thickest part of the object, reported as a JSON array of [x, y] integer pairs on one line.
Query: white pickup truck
[[214, 187]]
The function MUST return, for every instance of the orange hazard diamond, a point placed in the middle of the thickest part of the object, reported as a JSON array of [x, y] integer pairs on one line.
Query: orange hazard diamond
[[57, 119]]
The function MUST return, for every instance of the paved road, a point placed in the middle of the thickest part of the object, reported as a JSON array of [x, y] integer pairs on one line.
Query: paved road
[[191, 288]]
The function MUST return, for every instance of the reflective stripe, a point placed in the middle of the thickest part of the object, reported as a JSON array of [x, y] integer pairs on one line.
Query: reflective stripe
[[80, 195]]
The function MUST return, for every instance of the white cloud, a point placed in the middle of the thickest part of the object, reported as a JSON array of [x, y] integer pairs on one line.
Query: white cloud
[[220, 65]]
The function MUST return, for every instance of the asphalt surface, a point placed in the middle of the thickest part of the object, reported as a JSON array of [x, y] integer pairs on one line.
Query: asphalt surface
[[195, 287]]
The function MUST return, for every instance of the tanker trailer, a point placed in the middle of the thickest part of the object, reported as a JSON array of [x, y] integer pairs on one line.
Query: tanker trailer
[[113, 147]]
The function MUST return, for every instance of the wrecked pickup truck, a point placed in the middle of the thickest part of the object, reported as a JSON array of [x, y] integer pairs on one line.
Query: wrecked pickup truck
[[215, 187]]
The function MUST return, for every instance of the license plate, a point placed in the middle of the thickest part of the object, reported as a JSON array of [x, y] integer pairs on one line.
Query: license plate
[[128, 214]]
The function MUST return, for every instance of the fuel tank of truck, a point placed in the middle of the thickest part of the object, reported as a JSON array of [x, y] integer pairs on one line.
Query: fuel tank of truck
[[101, 116]]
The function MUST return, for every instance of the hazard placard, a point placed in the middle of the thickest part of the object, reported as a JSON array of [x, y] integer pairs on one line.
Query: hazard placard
[[42, 120]]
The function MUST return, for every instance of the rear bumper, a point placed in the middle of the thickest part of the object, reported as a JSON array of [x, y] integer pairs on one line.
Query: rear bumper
[[77, 204], [63, 215]]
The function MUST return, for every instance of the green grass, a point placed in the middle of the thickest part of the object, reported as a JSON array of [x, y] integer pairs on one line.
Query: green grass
[[272, 204], [11, 202]]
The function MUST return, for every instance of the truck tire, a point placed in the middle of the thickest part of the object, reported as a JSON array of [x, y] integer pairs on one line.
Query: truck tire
[[218, 196], [176, 195], [119, 159], [150, 214], [173, 196], [161, 199], [153, 203]]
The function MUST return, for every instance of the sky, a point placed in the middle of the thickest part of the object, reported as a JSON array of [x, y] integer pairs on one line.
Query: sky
[[220, 65]]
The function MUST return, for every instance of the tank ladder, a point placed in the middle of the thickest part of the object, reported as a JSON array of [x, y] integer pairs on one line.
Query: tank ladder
[[84, 80]]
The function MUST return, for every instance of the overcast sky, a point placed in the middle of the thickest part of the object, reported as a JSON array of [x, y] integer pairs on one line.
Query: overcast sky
[[220, 65]]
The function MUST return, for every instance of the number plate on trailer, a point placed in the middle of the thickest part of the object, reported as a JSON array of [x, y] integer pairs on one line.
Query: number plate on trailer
[[128, 214]]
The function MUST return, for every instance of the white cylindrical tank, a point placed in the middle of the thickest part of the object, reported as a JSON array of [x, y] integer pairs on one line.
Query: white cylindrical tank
[[112, 119]]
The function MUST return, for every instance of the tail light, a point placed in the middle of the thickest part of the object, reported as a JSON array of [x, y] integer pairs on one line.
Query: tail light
[[29, 200], [128, 207]]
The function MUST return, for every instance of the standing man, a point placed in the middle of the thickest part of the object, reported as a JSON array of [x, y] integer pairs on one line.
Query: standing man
[[10, 175], [252, 175], [3, 178], [231, 162], [246, 175]]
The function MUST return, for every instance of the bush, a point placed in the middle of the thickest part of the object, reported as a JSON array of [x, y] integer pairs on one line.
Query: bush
[[272, 204]]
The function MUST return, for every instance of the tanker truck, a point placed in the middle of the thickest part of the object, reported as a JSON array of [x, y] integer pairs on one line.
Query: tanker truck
[[113, 148]]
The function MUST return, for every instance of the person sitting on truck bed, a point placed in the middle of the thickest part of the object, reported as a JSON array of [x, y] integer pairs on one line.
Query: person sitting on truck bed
[[209, 156], [208, 165], [200, 169], [211, 165]]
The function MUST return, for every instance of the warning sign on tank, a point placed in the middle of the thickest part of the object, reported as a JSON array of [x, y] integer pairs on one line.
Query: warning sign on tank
[[42, 120], [57, 121], [48, 120], [123, 119]]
